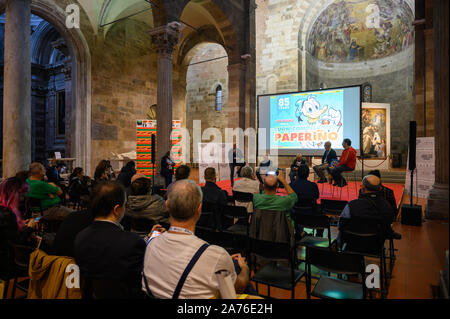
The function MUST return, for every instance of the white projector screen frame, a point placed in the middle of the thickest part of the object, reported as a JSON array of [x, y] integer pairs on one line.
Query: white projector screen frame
[[264, 121]]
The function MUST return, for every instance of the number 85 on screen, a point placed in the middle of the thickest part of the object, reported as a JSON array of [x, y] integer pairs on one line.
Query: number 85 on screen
[[283, 103]]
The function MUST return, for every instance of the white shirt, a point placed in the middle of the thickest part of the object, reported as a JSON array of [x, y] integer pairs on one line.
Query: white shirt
[[246, 185], [166, 258]]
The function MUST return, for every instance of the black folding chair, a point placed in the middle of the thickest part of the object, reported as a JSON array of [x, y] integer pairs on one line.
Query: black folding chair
[[338, 263], [273, 274], [211, 216], [332, 207], [314, 222], [366, 236], [230, 214], [242, 197], [21, 261]]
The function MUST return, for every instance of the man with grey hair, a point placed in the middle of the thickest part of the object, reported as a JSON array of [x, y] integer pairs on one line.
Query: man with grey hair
[[247, 184], [168, 256], [328, 157], [370, 204]]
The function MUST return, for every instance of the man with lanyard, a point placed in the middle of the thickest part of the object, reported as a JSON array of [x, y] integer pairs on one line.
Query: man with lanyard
[[178, 264]]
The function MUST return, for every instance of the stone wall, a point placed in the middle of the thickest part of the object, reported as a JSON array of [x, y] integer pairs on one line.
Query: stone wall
[[284, 65], [124, 69], [202, 80]]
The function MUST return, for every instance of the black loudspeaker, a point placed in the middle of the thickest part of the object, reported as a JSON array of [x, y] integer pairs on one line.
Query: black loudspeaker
[[412, 146], [412, 215], [153, 149]]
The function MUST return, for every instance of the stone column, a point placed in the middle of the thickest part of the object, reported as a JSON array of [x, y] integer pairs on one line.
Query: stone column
[[438, 202], [164, 38], [61, 45], [236, 95], [17, 88]]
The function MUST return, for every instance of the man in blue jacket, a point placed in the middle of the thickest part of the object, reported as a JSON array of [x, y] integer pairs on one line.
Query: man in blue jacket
[[328, 157]]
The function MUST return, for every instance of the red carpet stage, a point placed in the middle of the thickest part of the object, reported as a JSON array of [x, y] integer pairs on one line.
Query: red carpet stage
[[327, 191]]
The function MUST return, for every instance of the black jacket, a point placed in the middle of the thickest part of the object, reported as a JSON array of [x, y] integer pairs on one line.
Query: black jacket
[[68, 230], [330, 157], [104, 251], [302, 162], [125, 176], [214, 194], [372, 205]]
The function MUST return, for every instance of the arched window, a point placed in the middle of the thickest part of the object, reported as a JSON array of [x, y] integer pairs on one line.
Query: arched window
[[219, 98]]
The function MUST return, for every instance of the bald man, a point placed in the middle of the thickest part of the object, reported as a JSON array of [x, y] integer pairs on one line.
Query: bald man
[[269, 200], [371, 203]]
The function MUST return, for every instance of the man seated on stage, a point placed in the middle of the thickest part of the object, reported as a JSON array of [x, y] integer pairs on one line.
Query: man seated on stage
[[299, 160], [211, 192], [328, 157], [269, 200], [388, 193], [371, 203], [236, 159], [346, 164]]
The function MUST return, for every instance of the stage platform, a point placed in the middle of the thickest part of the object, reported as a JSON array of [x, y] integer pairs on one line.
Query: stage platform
[[327, 191]]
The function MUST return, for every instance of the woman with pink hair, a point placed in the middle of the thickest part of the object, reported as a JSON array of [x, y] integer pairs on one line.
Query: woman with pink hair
[[11, 191]]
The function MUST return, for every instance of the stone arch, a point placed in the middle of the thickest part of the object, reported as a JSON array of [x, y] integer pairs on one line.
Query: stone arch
[[41, 51], [81, 79]]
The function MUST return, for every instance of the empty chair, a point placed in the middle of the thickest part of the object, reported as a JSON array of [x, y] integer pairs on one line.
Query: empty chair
[[273, 274], [230, 214], [366, 236], [338, 263]]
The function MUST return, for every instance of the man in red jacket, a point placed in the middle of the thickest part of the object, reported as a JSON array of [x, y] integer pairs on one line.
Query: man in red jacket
[[347, 163]]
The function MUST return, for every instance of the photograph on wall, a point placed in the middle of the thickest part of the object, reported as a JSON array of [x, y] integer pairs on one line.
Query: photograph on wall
[[374, 132]]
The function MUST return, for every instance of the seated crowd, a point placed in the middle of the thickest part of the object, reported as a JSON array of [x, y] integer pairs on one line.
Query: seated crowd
[[97, 236]]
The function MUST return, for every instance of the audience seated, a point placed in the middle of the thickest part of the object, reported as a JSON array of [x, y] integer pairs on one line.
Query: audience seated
[[104, 250], [275, 226], [371, 203], [65, 236], [211, 192], [167, 255], [126, 173], [103, 172], [79, 186], [47, 193], [143, 204], [247, 184], [388, 193], [182, 172], [13, 229], [52, 172], [306, 190], [269, 200], [302, 187]]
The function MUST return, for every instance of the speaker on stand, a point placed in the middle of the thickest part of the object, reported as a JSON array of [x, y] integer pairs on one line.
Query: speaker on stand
[[412, 214]]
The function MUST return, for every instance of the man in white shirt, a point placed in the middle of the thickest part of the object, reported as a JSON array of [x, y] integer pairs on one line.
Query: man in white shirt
[[168, 255], [247, 184]]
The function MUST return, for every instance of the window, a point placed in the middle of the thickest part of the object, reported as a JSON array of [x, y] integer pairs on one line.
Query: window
[[219, 98], [60, 113]]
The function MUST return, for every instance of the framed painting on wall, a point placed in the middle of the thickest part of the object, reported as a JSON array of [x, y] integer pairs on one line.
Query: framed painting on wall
[[376, 130]]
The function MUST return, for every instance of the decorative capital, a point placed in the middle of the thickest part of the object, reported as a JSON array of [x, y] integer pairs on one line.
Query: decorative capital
[[166, 37]]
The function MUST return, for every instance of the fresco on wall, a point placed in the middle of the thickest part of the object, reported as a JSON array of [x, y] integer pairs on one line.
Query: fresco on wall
[[360, 30], [374, 132]]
